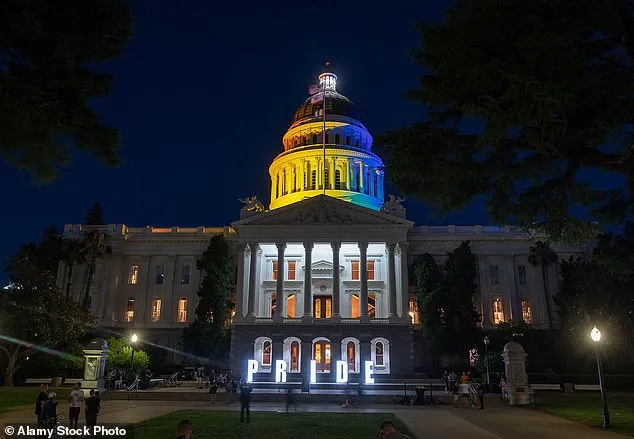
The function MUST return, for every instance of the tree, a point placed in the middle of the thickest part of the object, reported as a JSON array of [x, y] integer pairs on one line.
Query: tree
[[50, 58], [593, 293], [207, 335], [541, 254], [34, 316], [73, 252], [121, 352], [445, 300], [95, 245], [522, 97]]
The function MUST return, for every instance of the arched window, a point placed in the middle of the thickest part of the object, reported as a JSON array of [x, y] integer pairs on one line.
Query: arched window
[[327, 177], [315, 139], [354, 306], [380, 355], [351, 354], [182, 310], [277, 186], [290, 306], [367, 182], [347, 140], [304, 140], [284, 181], [313, 180], [294, 357], [266, 353], [337, 179], [337, 139], [156, 310], [321, 354], [378, 349], [527, 314]]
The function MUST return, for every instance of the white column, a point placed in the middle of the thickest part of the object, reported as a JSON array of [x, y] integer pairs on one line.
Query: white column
[[362, 181], [280, 298], [308, 297], [404, 281], [391, 267], [349, 175], [253, 263], [363, 275], [240, 288], [336, 299]]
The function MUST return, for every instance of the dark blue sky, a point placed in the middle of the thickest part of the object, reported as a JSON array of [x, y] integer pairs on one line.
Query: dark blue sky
[[204, 93]]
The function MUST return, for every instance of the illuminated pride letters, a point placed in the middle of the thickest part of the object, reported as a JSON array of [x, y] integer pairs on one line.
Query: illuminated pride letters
[[281, 369]]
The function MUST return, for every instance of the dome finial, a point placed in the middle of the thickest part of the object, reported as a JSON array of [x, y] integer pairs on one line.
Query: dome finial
[[328, 80]]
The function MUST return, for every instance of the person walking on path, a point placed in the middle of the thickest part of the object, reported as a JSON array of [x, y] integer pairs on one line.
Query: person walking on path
[[76, 400], [245, 402], [93, 404], [40, 401]]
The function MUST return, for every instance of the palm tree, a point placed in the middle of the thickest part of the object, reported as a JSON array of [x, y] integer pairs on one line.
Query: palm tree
[[74, 252], [96, 248], [541, 254]]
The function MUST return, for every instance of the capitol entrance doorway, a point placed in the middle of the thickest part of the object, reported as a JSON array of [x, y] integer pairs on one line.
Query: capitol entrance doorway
[[321, 355]]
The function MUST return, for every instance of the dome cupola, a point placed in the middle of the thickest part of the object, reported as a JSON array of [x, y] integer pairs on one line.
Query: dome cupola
[[327, 150]]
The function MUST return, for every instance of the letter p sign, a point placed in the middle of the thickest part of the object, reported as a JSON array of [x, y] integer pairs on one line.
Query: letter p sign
[[252, 369]]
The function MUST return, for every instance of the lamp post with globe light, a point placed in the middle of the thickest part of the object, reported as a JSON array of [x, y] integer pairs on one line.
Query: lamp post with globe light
[[595, 334], [486, 361], [133, 340]]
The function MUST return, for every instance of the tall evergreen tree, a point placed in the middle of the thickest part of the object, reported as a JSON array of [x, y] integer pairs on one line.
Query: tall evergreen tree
[[96, 247], [541, 254], [207, 335], [519, 99]]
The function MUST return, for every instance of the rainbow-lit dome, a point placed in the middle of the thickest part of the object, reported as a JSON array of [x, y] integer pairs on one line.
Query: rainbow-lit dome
[[352, 172]]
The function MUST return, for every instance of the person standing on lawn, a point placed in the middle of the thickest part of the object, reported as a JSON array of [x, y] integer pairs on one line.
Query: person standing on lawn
[[39, 403], [245, 401], [76, 400]]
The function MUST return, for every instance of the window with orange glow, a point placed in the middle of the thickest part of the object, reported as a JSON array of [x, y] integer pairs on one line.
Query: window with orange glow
[[527, 314], [129, 311], [290, 306], [413, 310], [370, 270], [294, 357], [350, 349], [133, 275], [266, 353], [379, 353], [156, 310], [291, 270], [322, 307], [498, 311], [274, 270], [355, 270], [371, 306], [355, 306], [182, 310], [273, 305]]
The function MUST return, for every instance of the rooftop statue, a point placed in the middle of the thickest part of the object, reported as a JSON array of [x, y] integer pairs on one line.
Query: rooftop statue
[[393, 206], [251, 206]]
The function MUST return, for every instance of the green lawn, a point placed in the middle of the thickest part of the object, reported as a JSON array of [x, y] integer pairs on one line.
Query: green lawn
[[588, 409], [15, 398], [267, 425]]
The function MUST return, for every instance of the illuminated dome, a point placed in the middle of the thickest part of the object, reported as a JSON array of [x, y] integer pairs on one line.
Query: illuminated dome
[[352, 172]]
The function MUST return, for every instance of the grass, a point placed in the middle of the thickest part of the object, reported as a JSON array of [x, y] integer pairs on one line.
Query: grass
[[588, 409], [16, 398], [267, 425]]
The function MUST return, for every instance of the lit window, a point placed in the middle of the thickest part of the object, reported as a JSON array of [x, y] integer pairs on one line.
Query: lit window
[[291, 270], [498, 311], [371, 306], [413, 310], [351, 356], [160, 273], [182, 310], [290, 306], [273, 305], [355, 306], [370, 270], [133, 275], [355, 270], [156, 310], [266, 353], [274, 276], [129, 310], [495, 278], [186, 274], [322, 307], [527, 314], [521, 274], [379, 353], [294, 357]]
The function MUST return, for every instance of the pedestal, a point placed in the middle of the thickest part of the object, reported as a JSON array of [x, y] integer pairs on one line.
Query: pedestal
[[515, 370], [96, 354]]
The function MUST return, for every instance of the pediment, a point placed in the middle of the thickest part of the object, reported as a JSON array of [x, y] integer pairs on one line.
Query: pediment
[[323, 267], [322, 210]]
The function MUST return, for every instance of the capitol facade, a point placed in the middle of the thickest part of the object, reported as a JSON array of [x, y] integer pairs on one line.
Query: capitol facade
[[321, 276]]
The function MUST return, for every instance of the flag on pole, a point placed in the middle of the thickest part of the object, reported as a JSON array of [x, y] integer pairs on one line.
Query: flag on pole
[[314, 89], [317, 98]]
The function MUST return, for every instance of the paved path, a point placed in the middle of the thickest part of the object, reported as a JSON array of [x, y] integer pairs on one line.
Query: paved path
[[440, 422]]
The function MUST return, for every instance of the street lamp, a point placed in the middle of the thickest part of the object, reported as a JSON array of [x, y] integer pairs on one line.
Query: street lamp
[[595, 334], [486, 360], [133, 341]]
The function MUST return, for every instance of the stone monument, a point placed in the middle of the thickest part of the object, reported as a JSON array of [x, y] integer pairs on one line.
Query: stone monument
[[515, 370], [96, 354]]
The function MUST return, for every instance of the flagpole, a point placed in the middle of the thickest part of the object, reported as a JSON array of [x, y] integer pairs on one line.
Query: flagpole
[[324, 111]]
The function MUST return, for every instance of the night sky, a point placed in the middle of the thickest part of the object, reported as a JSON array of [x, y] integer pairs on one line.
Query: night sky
[[204, 92]]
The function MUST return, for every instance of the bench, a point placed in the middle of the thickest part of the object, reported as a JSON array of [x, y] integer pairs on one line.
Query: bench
[[587, 387], [556, 387], [30, 381]]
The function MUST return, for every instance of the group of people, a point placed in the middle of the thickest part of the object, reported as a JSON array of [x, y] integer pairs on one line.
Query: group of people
[[46, 407], [463, 387]]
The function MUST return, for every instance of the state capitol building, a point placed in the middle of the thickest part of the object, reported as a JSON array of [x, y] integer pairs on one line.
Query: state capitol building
[[323, 273]]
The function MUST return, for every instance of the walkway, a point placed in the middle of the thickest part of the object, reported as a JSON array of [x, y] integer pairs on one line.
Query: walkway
[[440, 422]]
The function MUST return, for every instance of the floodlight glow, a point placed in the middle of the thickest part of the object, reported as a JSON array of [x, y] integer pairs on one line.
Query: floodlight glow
[[313, 372], [280, 371], [342, 371], [595, 334], [369, 372], [252, 369], [134, 338]]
